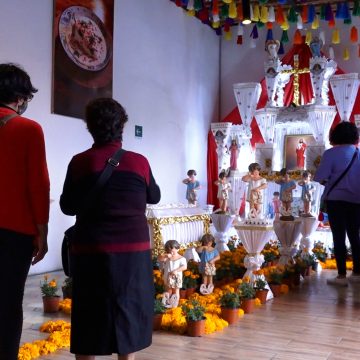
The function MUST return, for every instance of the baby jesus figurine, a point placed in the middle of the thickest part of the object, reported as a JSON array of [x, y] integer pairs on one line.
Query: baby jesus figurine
[[255, 190], [286, 187], [307, 192]]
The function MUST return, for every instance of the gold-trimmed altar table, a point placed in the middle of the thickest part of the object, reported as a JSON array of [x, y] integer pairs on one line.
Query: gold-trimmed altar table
[[184, 223]]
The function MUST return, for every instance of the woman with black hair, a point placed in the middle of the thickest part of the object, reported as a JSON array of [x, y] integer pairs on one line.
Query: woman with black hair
[[113, 290], [343, 198], [24, 201]]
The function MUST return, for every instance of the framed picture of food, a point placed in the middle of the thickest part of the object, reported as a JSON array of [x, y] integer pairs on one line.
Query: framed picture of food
[[82, 54]]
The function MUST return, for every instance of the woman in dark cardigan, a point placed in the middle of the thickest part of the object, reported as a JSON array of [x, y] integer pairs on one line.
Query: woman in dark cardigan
[[113, 290]]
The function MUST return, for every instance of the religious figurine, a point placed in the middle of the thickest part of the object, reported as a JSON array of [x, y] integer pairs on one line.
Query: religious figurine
[[307, 193], [255, 189], [272, 47], [172, 265], [315, 46], [276, 202], [300, 154], [192, 185], [208, 257], [234, 154], [223, 190], [286, 187]]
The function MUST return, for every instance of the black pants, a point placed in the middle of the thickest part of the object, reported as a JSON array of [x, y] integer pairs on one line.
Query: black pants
[[15, 259], [344, 218]]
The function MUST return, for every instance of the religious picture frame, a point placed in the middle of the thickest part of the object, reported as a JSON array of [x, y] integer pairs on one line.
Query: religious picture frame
[[82, 54], [295, 150]]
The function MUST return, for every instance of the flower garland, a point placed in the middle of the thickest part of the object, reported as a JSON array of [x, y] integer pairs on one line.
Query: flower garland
[[331, 264], [59, 338], [65, 306]]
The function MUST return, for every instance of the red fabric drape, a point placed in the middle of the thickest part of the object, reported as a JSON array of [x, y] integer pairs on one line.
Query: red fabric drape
[[234, 117], [212, 171]]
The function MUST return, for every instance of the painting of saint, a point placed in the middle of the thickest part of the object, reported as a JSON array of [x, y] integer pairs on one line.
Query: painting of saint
[[295, 151]]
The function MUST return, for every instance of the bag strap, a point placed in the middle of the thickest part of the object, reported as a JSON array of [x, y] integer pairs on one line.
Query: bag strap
[[344, 172], [111, 164], [6, 118]]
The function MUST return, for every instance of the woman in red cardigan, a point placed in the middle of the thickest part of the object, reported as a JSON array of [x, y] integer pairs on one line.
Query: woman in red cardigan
[[24, 201]]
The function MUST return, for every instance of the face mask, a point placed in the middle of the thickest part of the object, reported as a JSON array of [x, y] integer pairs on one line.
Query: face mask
[[22, 108]]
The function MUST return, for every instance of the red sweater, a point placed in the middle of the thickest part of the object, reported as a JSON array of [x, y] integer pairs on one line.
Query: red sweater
[[24, 179]]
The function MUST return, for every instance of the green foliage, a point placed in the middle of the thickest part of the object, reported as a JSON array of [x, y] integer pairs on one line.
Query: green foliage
[[193, 310], [48, 288], [320, 251], [246, 290], [159, 307], [260, 283], [275, 276], [230, 300]]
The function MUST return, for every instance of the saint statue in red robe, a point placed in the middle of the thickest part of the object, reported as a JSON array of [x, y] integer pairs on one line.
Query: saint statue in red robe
[[234, 154]]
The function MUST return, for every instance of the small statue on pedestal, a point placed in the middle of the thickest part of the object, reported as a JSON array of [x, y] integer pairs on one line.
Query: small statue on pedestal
[[192, 186], [315, 46], [172, 264], [307, 192], [276, 203], [223, 190], [255, 190], [286, 187], [234, 154], [208, 256]]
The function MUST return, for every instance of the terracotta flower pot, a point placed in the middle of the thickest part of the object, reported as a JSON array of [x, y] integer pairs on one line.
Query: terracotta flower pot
[[276, 289], [287, 281], [248, 305], [196, 328], [262, 295], [183, 294], [189, 292], [51, 304], [157, 320], [230, 315]]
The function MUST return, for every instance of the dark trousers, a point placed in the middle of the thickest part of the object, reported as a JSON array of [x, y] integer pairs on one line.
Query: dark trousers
[[15, 259], [344, 218]]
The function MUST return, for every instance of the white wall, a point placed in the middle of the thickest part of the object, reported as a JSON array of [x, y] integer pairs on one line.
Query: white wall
[[166, 74], [240, 63]]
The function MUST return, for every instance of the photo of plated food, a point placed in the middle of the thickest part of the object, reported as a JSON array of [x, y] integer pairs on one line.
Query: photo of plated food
[[84, 38]]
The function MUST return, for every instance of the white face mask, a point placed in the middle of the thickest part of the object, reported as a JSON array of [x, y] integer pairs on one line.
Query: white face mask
[[22, 108]]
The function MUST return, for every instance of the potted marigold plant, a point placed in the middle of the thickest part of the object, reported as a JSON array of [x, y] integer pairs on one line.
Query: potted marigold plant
[[67, 288], [260, 288], [159, 310], [275, 276], [247, 296], [230, 304], [190, 282], [194, 313], [49, 291]]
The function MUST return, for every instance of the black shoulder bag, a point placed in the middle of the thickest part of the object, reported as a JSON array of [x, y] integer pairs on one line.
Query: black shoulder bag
[[111, 164], [324, 196]]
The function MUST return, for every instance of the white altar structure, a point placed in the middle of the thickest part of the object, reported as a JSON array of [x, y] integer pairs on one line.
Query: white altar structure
[[185, 223], [278, 123]]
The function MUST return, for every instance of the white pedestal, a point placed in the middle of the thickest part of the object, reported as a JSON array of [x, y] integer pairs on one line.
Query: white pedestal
[[308, 227], [222, 224], [254, 239], [287, 232]]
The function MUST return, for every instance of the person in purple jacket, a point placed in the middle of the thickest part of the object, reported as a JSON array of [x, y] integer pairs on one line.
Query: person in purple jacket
[[344, 199]]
